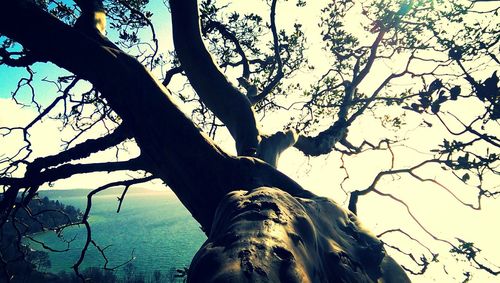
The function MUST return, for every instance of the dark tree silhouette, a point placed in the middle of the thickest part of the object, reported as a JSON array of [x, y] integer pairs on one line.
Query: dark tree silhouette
[[262, 226]]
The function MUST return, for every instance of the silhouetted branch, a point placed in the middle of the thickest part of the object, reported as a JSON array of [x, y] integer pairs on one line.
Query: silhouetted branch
[[170, 73], [225, 32], [85, 222], [24, 59], [412, 216], [410, 171], [277, 57], [151, 27], [84, 149]]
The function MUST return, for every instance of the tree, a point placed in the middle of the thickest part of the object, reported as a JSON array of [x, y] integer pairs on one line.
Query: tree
[[261, 224]]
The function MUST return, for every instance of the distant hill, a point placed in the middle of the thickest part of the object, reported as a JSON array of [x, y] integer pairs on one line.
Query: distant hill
[[41, 214]]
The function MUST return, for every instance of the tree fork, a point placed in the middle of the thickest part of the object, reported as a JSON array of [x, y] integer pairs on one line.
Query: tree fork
[[179, 153], [196, 169], [205, 178]]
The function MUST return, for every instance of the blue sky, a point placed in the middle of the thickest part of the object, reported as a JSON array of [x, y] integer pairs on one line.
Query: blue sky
[[44, 91], [9, 76]]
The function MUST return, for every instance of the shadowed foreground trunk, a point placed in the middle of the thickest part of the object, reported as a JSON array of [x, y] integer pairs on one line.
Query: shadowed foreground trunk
[[262, 226]]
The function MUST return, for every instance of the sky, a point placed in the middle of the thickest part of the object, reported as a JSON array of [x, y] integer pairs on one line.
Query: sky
[[323, 175]]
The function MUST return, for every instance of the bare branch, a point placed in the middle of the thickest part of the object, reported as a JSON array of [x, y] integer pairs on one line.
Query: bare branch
[[277, 57], [225, 32], [86, 223]]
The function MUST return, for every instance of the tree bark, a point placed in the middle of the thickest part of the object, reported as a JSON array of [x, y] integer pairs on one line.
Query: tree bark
[[176, 150], [229, 105], [178, 153], [299, 235], [268, 235]]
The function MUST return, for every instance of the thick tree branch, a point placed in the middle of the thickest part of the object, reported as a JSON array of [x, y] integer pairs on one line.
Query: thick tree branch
[[24, 59], [68, 170], [135, 96], [323, 142], [82, 150], [195, 169], [224, 100], [271, 147], [169, 75]]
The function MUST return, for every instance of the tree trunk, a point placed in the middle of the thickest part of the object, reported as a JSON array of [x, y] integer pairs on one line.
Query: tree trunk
[[268, 235], [262, 226]]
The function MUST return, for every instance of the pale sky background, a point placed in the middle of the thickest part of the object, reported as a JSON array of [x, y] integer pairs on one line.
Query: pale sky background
[[436, 209]]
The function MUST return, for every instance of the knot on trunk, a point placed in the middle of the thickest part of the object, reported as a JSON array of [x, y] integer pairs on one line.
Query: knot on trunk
[[267, 235]]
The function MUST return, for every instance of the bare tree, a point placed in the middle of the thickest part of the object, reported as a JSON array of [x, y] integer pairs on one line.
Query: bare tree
[[261, 224]]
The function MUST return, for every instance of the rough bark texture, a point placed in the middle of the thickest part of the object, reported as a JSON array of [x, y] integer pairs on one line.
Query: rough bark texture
[[267, 235]]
